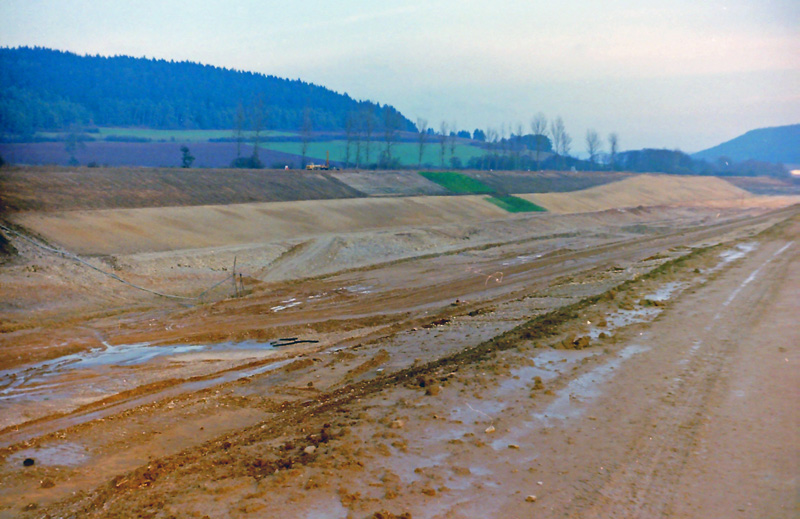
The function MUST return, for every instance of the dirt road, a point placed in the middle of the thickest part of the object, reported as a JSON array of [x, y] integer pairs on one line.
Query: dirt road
[[627, 377]]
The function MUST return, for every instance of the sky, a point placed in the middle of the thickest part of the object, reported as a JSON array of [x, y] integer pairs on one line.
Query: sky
[[677, 74]]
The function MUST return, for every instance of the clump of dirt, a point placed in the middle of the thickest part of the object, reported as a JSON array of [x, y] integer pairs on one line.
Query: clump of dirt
[[437, 322], [571, 342], [299, 364]]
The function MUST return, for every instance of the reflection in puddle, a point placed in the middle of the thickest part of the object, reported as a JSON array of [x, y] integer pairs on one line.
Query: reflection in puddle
[[359, 289], [99, 371], [585, 388], [735, 253], [521, 260]]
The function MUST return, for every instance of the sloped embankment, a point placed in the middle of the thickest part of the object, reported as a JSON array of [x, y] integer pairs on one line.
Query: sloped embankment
[[66, 189], [647, 190], [124, 231]]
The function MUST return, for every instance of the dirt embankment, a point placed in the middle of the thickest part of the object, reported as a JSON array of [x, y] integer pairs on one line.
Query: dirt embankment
[[172, 228], [68, 189], [644, 190]]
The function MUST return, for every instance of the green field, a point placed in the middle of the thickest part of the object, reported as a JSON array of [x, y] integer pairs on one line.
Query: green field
[[406, 152], [457, 182], [512, 204]]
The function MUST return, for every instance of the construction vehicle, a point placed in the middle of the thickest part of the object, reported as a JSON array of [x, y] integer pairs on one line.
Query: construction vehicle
[[318, 167]]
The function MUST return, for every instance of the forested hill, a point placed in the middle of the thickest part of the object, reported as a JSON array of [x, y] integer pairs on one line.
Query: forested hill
[[44, 89]]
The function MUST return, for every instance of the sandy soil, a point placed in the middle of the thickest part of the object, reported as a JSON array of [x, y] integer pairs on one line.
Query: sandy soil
[[640, 190], [636, 363]]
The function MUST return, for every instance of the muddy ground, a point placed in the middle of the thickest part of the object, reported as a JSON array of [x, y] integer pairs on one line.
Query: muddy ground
[[619, 364]]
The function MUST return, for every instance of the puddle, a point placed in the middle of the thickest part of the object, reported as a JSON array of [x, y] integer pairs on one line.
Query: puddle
[[478, 411], [67, 394], [549, 364], [405, 465], [739, 251], [520, 260], [585, 388], [289, 303], [68, 454], [639, 314], [359, 289], [666, 291], [41, 377]]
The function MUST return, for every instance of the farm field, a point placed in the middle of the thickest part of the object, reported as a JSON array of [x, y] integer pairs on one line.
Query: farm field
[[388, 348], [406, 152]]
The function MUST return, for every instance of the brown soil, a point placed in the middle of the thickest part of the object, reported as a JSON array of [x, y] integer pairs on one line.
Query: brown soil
[[614, 364]]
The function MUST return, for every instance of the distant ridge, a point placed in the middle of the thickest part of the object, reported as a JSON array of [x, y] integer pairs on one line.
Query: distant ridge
[[45, 89], [779, 144]]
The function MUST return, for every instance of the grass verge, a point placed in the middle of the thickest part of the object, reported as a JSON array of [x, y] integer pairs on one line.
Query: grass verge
[[512, 204], [457, 182]]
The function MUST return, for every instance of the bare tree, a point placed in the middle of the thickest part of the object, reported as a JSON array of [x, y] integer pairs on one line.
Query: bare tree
[[613, 149], [258, 122], [422, 128], [518, 147], [453, 135], [539, 130], [391, 125], [491, 146], [368, 125], [592, 146], [560, 138], [238, 129], [305, 135], [443, 139]]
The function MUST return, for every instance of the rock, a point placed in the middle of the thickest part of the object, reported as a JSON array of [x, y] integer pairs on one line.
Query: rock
[[513, 446], [490, 429], [47, 483], [530, 499], [397, 424], [28, 462], [310, 449]]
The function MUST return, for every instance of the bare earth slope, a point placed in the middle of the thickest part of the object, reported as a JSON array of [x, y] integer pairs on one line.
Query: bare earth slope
[[152, 229], [640, 190]]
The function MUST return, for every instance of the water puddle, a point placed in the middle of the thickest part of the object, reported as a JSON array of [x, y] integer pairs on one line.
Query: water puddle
[[68, 454], [359, 289], [521, 260], [67, 396], [639, 314], [570, 401], [289, 303], [739, 251], [39, 380], [549, 364]]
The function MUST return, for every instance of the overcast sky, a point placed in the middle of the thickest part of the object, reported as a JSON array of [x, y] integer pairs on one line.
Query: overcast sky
[[685, 74]]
